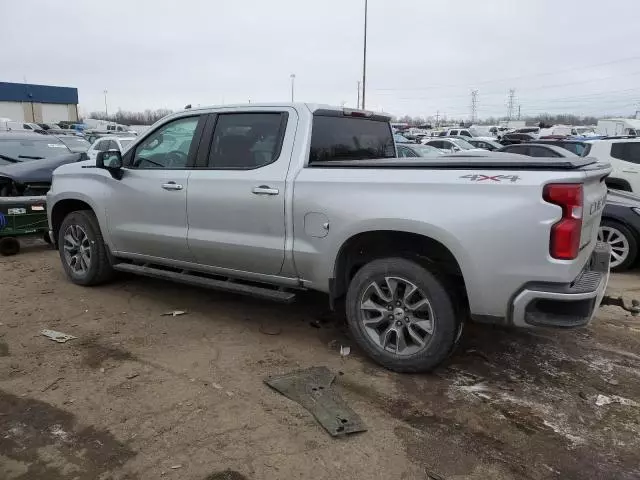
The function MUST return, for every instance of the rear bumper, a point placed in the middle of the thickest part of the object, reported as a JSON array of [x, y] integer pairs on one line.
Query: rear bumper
[[564, 305]]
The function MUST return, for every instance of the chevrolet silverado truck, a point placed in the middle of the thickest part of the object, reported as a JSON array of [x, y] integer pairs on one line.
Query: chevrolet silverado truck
[[269, 200]]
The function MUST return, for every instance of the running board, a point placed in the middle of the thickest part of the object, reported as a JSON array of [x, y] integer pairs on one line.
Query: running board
[[198, 281]]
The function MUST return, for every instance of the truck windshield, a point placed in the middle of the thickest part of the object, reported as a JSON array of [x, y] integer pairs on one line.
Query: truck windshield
[[350, 138]]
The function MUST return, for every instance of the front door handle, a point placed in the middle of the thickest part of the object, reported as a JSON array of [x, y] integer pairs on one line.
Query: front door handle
[[630, 171], [265, 190], [172, 186]]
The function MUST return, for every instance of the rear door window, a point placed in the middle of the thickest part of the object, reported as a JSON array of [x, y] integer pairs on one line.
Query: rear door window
[[627, 151], [244, 141], [541, 152], [350, 138]]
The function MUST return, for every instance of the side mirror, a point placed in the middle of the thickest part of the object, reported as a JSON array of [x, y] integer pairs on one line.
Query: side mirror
[[109, 160]]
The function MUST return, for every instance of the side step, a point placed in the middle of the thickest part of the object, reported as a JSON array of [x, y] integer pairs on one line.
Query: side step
[[224, 285]]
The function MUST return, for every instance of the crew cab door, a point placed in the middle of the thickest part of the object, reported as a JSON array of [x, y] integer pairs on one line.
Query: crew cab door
[[147, 208], [236, 199]]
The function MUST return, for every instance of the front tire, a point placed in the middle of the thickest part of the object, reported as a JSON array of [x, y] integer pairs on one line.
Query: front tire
[[401, 315], [82, 249], [623, 243]]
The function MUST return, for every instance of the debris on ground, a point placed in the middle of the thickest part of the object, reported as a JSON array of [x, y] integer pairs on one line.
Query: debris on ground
[[132, 376], [344, 351], [602, 400], [268, 329], [217, 386], [311, 388], [57, 336], [633, 307], [175, 467], [173, 313], [315, 324], [52, 384]]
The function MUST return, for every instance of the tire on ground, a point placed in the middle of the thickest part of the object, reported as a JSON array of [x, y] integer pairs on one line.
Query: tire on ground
[[100, 269], [446, 325], [9, 246], [631, 239]]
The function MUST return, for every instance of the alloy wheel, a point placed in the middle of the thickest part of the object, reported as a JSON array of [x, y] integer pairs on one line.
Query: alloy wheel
[[618, 243], [77, 249], [397, 315]]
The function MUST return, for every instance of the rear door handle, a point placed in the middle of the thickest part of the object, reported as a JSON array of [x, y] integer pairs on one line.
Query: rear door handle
[[265, 190], [172, 186]]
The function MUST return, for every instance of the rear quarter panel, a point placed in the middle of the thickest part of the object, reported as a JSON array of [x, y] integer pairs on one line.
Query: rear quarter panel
[[497, 230]]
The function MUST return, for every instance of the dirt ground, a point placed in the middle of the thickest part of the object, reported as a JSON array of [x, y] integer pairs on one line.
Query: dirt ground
[[139, 395]]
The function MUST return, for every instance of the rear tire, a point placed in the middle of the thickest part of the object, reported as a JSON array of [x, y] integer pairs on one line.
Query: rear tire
[[83, 253], [9, 246], [403, 332], [623, 243]]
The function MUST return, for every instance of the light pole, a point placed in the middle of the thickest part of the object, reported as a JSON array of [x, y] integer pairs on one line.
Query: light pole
[[293, 82], [364, 56], [106, 109]]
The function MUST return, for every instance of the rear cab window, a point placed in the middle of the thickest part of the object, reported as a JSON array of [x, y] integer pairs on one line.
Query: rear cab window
[[338, 136]]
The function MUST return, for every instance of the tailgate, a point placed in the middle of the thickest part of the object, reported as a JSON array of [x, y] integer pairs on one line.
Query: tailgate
[[594, 196]]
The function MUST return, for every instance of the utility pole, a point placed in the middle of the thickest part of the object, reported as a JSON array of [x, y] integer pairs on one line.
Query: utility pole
[[512, 95], [358, 104], [438, 118], [293, 81], [474, 105], [364, 56], [519, 107], [106, 109]]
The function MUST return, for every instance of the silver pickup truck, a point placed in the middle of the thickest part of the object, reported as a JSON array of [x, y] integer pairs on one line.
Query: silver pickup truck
[[268, 200]]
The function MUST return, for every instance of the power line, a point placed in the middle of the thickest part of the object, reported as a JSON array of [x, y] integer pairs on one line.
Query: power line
[[519, 77]]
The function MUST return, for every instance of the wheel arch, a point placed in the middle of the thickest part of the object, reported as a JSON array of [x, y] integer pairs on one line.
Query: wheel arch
[[618, 184], [362, 247], [61, 209]]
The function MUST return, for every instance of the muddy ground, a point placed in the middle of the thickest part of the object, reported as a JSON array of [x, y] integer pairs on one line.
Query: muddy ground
[[139, 395]]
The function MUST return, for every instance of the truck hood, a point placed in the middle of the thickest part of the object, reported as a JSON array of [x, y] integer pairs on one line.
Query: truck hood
[[623, 199], [37, 171]]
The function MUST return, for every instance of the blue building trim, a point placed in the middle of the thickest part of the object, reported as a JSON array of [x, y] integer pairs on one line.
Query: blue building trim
[[26, 92]]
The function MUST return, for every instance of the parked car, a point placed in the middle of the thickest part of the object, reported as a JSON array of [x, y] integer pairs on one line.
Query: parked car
[[450, 145], [20, 126], [74, 143], [490, 145], [418, 150], [31, 146], [27, 162], [577, 147], [515, 138], [537, 150], [109, 142], [533, 131], [401, 138], [624, 156], [270, 199], [620, 228]]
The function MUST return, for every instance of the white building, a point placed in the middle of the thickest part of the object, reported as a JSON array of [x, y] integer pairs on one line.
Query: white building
[[23, 102]]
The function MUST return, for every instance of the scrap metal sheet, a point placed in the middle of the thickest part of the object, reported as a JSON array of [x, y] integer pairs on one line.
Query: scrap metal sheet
[[311, 388]]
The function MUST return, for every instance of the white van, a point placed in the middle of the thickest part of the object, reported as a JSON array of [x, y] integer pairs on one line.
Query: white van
[[619, 126]]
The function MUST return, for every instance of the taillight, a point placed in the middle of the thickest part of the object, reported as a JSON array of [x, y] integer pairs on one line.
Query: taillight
[[565, 234]]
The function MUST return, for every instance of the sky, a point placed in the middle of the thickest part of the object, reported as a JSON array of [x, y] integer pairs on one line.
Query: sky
[[424, 56]]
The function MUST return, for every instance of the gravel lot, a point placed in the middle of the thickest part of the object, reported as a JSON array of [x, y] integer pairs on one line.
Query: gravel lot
[[139, 395]]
